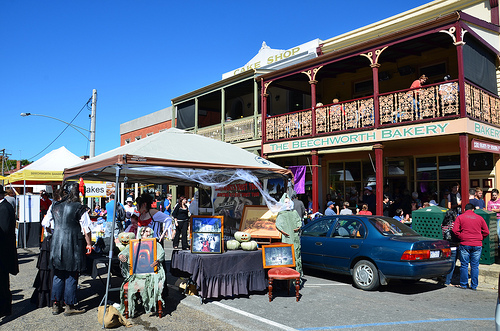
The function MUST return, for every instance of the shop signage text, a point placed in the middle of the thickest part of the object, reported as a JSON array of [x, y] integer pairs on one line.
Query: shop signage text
[[360, 137], [95, 190], [486, 131], [485, 146], [270, 60]]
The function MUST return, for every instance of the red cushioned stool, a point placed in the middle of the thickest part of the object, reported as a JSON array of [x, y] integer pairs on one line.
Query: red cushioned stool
[[283, 273]]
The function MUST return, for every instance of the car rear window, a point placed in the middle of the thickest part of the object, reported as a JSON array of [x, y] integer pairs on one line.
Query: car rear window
[[390, 227]]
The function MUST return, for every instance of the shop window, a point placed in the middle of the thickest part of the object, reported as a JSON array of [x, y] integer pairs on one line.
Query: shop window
[[426, 168], [481, 162], [449, 167], [353, 171]]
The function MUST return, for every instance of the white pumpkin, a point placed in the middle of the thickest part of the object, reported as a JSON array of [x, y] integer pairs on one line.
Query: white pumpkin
[[232, 244], [242, 236], [249, 245]]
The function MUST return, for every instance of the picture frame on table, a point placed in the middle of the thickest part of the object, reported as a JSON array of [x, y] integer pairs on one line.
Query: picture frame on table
[[207, 242], [141, 255], [260, 222], [279, 255], [203, 223]]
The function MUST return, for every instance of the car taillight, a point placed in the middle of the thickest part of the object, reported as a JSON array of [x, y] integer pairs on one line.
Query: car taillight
[[446, 252], [411, 255]]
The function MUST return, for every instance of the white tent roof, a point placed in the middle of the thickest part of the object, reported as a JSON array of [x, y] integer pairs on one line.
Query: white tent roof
[[159, 158], [48, 168]]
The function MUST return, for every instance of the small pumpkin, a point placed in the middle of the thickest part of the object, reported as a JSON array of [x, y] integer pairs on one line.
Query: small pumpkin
[[249, 245], [242, 236], [232, 244]]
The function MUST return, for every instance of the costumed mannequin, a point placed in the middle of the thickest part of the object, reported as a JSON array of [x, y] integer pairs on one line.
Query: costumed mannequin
[[67, 258], [288, 222], [151, 285]]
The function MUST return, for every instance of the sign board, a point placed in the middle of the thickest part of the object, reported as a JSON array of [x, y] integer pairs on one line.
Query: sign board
[[94, 190], [421, 130], [29, 208], [485, 146]]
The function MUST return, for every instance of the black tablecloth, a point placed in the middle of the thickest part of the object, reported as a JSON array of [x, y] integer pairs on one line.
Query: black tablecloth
[[32, 235], [227, 274]]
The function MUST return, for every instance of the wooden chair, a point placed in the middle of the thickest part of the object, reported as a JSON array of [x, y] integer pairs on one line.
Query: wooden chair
[[279, 259], [125, 303], [141, 253], [283, 273]]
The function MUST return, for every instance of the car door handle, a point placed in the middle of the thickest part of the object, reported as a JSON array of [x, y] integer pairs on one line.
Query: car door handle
[[354, 246], [318, 243]]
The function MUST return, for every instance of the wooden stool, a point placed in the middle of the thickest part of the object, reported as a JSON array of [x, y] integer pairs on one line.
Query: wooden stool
[[283, 273], [125, 302]]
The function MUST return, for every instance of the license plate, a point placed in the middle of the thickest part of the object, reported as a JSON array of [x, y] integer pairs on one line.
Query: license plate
[[435, 254]]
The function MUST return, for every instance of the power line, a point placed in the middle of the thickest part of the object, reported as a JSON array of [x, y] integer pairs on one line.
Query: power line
[[69, 124]]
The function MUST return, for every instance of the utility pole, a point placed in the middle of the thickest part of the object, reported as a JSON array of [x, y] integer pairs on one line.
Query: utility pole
[[92, 124], [3, 160]]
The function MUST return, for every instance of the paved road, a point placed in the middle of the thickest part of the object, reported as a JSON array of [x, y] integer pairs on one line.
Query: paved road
[[327, 302]]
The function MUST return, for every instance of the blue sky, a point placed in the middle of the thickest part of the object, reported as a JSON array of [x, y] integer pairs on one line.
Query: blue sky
[[139, 55]]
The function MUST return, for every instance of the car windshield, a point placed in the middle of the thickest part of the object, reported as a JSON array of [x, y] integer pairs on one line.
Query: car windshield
[[391, 227]]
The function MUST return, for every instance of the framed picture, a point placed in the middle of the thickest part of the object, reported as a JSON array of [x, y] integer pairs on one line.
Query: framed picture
[[206, 242], [207, 224], [474, 183], [142, 254], [260, 222], [487, 183], [281, 255]]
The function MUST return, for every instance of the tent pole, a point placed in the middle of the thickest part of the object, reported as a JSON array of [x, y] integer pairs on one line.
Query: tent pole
[[111, 241], [24, 214]]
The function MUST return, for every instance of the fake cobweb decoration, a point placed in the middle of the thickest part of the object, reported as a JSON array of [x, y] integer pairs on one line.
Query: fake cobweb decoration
[[216, 179]]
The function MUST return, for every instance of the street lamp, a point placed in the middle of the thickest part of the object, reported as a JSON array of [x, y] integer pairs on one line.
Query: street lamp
[[77, 128]]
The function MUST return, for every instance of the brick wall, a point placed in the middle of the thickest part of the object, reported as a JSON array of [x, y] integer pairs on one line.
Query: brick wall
[[143, 132]]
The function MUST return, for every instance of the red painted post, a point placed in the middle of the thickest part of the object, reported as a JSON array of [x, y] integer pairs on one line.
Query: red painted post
[[379, 178], [464, 168], [315, 183], [313, 101]]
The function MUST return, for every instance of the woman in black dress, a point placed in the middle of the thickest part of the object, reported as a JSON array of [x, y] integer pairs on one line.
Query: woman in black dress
[[181, 219]]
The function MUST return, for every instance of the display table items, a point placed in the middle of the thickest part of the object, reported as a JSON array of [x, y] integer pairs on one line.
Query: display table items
[[207, 234], [221, 275]]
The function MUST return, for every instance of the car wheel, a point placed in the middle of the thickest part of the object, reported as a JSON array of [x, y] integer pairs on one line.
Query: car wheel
[[365, 276]]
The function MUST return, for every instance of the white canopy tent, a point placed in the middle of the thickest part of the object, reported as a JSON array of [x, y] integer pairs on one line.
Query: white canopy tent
[[174, 157]]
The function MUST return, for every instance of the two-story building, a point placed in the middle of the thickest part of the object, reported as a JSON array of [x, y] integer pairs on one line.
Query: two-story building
[[347, 113]]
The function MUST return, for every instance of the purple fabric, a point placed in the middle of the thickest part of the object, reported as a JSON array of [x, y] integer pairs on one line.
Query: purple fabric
[[221, 275], [299, 175]]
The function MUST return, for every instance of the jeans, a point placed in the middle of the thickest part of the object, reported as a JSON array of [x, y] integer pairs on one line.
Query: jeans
[[454, 256], [469, 254], [64, 287]]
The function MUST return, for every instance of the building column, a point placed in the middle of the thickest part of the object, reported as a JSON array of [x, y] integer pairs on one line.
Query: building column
[[315, 181], [376, 107], [464, 168], [263, 123], [379, 178], [256, 109], [196, 115], [223, 113], [457, 34], [313, 106]]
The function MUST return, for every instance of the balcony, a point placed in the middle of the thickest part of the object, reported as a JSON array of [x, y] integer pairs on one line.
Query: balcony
[[429, 103], [234, 131]]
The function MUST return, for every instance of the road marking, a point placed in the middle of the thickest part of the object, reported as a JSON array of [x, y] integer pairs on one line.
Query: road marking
[[309, 285], [397, 323], [255, 317]]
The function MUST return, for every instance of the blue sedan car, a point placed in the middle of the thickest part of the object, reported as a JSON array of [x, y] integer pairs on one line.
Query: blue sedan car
[[373, 249]]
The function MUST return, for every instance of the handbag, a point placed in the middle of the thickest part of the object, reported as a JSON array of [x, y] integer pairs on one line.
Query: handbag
[[113, 318]]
